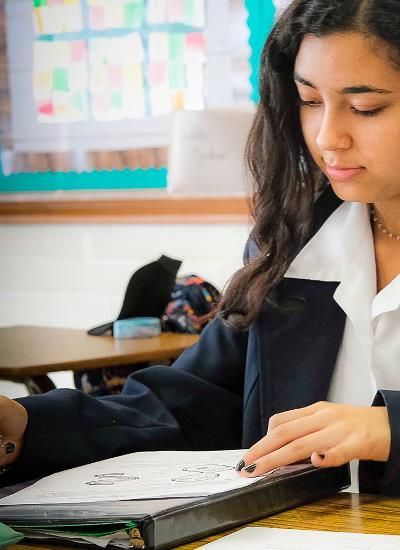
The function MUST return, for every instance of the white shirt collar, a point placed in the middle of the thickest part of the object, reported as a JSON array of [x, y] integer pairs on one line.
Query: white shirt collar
[[343, 238]]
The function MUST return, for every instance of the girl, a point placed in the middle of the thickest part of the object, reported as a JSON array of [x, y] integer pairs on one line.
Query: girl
[[307, 333]]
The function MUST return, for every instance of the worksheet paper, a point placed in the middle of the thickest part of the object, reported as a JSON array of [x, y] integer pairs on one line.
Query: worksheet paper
[[266, 538], [145, 475]]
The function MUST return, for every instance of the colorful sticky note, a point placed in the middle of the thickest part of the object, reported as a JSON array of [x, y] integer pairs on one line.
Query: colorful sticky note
[[195, 47], [46, 108], [176, 75], [77, 50], [157, 73], [96, 17], [78, 102], [194, 13], [116, 100], [133, 14], [175, 12], [177, 100], [43, 81], [60, 79], [176, 46], [133, 76]]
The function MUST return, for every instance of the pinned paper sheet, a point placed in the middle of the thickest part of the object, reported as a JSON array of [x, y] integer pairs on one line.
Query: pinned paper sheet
[[187, 12], [207, 151], [60, 80], [115, 14], [116, 77], [176, 71], [57, 16]]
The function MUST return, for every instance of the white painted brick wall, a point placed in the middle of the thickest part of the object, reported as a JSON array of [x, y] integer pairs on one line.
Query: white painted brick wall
[[76, 275]]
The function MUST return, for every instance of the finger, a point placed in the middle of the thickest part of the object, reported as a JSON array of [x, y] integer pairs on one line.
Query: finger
[[293, 414], [336, 455], [282, 435], [297, 450]]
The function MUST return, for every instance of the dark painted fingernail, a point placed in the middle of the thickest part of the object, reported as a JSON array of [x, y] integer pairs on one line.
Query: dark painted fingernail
[[321, 456], [250, 468], [10, 447], [240, 465]]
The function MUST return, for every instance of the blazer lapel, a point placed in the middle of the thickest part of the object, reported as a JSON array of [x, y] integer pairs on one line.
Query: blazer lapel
[[298, 349]]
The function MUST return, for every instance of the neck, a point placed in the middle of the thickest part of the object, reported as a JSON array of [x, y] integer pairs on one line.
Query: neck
[[387, 218]]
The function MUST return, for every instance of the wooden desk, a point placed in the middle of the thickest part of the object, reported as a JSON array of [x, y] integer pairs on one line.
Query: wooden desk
[[343, 512], [28, 354]]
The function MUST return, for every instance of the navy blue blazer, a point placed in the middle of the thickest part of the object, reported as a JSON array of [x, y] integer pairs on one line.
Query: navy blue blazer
[[219, 394]]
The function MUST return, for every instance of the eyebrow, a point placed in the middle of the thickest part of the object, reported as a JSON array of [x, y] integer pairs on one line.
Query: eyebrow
[[362, 89]]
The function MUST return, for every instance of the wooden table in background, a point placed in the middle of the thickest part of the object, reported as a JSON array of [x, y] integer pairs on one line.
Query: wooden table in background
[[28, 354], [344, 512]]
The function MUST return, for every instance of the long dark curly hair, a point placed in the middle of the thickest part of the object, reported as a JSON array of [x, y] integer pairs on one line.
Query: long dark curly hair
[[285, 179]]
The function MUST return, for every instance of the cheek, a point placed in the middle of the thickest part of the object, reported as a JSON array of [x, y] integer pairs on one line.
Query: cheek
[[380, 148]]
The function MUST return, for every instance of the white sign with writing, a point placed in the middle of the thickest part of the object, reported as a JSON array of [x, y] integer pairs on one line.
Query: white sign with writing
[[206, 154]]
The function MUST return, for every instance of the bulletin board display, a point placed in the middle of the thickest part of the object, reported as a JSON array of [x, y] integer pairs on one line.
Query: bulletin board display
[[93, 85]]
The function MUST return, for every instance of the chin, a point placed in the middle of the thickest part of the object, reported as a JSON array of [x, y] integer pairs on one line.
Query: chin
[[351, 192]]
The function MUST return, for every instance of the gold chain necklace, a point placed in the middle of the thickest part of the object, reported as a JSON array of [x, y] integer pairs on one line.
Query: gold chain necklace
[[380, 227]]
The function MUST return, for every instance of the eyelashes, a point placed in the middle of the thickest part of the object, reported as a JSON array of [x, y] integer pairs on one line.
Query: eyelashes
[[358, 112], [370, 113]]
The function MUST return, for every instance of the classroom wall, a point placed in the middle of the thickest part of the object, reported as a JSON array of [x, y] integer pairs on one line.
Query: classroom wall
[[75, 275]]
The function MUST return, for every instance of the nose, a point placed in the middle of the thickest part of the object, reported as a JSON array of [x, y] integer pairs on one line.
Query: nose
[[333, 134]]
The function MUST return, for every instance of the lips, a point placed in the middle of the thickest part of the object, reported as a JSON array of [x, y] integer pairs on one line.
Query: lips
[[343, 173]]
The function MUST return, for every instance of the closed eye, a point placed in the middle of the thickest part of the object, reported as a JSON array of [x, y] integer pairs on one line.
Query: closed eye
[[358, 112], [310, 103], [369, 113]]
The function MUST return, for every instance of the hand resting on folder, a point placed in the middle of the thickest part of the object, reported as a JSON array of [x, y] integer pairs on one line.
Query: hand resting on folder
[[339, 432]]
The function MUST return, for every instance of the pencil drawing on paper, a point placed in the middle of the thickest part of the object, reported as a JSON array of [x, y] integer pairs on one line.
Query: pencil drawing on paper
[[200, 473], [110, 478]]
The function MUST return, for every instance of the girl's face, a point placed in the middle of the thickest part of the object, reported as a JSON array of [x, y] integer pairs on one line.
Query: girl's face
[[350, 114]]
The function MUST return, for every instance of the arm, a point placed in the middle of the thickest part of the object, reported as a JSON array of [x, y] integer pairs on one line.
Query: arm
[[195, 404]]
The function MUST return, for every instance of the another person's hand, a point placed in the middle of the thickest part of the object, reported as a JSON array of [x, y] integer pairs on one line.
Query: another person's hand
[[331, 434], [13, 422]]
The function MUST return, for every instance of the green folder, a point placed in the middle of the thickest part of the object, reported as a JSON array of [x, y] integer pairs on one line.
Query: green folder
[[8, 536]]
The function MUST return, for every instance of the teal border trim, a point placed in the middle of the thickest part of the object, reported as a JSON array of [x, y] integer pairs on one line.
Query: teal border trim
[[261, 16], [152, 178]]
